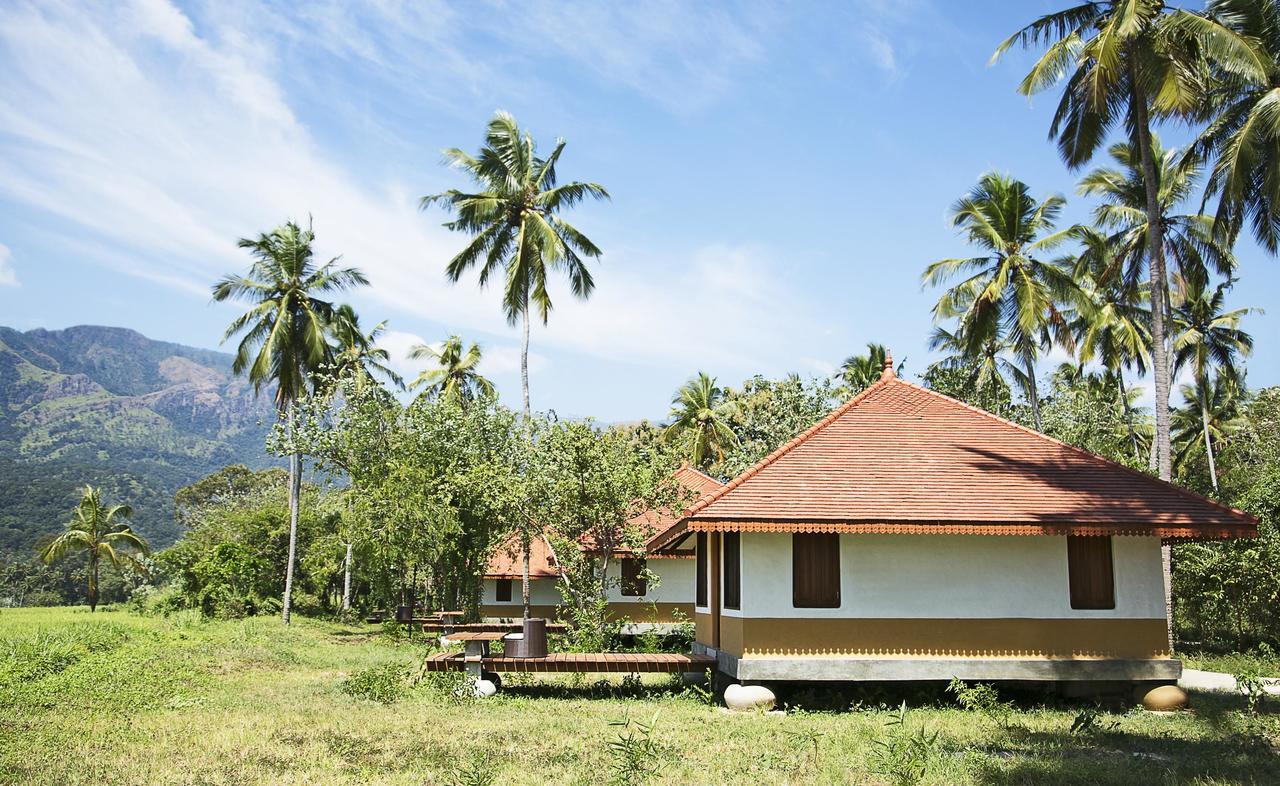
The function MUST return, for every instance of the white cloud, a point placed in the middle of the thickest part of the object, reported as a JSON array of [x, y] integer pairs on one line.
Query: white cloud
[[164, 141], [8, 276]]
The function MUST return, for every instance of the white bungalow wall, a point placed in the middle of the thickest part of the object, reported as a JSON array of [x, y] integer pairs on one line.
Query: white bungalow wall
[[949, 576]]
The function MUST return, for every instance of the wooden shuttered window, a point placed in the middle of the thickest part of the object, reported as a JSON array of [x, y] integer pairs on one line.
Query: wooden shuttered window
[[634, 583], [700, 592], [732, 570], [815, 570], [502, 590], [1089, 566]]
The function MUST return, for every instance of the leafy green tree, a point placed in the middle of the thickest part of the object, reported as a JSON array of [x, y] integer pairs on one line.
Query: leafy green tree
[[859, 372], [1126, 62], [100, 532], [765, 413], [1207, 417], [699, 421], [1010, 294], [515, 225], [1242, 135], [456, 376], [1093, 411], [980, 376], [285, 333], [356, 352], [1208, 338]]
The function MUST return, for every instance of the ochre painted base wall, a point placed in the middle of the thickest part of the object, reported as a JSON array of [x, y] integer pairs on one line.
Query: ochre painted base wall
[[636, 612], [702, 626], [935, 638]]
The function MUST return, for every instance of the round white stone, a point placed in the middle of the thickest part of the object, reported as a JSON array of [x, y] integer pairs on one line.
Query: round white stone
[[485, 689], [747, 698]]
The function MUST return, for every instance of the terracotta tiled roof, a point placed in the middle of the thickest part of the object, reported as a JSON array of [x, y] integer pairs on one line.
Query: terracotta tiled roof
[[900, 458], [508, 560], [668, 527]]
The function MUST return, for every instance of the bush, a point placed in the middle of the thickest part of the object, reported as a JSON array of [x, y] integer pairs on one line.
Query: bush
[[47, 652], [383, 684]]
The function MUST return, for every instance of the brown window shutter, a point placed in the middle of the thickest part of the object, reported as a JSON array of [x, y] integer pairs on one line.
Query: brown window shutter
[[634, 583], [732, 570], [815, 570], [502, 590], [1091, 575], [700, 592]]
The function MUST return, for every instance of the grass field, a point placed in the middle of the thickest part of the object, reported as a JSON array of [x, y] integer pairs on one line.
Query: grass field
[[118, 698]]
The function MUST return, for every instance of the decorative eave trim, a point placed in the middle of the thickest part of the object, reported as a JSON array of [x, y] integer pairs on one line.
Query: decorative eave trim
[[1165, 532]]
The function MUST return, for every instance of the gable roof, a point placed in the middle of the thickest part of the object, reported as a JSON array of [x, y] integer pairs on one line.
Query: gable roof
[[507, 561], [667, 526], [900, 458]]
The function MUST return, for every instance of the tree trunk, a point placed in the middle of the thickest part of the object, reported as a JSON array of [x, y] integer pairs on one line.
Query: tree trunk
[[525, 541], [1159, 291], [346, 581], [1208, 443], [524, 359], [93, 583], [295, 487], [1033, 391]]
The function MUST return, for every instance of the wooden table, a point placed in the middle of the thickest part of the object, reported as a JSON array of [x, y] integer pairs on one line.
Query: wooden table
[[475, 647]]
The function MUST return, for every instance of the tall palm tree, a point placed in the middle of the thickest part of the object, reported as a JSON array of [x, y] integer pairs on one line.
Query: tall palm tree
[[1189, 240], [1011, 293], [98, 531], [1211, 410], [989, 370], [699, 419], [1125, 62], [514, 223], [1242, 136], [1110, 320], [1209, 339], [859, 372], [456, 376], [357, 353], [285, 333]]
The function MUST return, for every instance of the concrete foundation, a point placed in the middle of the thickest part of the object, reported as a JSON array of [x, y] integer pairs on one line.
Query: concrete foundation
[[919, 669]]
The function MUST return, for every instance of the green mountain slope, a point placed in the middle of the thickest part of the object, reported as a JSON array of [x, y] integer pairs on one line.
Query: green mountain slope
[[111, 407]]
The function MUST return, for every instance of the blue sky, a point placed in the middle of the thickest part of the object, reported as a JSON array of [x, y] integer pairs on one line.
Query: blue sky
[[780, 173]]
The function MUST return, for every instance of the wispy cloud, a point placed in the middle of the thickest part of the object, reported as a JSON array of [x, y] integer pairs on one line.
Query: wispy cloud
[[8, 276]]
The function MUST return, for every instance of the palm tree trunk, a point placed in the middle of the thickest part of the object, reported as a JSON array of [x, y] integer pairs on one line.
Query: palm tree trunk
[[346, 581], [526, 541], [1033, 391], [295, 488], [1159, 287], [524, 360], [93, 582], [1208, 445]]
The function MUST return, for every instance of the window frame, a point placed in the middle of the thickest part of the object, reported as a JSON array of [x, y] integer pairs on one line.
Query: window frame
[[637, 584], [1080, 593], [731, 570], [498, 590], [702, 568], [829, 551]]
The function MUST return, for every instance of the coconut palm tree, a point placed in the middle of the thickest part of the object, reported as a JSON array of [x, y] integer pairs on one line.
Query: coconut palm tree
[[456, 376], [989, 368], [1242, 137], [515, 225], [1110, 320], [285, 333], [1126, 62], [1189, 240], [355, 352], [1012, 293], [699, 419], [1211, 411], [98, 531], [1208, 338], [859, 372]]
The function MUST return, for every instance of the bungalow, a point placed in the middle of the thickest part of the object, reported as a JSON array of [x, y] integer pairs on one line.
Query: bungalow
[[909, 536], [654, 590]]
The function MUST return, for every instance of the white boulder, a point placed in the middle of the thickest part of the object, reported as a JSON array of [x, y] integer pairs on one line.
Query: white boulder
[[485, 688], [749, 698]]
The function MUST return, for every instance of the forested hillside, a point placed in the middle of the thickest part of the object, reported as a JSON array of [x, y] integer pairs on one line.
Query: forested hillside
[[111, 407]]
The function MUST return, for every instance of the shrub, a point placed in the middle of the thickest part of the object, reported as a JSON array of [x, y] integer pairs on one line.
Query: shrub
[[636, 757], [383, 684], [903, 755]]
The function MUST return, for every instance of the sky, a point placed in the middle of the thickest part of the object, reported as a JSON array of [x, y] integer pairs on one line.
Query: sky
[[780, 173]]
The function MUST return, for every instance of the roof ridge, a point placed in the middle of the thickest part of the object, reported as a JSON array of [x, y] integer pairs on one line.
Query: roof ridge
[[1086, 453], [785, 448], [692, 468]]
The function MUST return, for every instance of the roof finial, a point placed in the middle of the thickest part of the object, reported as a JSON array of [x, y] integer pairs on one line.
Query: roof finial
[[887, 372]]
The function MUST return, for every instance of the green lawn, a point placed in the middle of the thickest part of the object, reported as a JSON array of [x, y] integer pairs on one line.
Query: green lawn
[[118, 698]]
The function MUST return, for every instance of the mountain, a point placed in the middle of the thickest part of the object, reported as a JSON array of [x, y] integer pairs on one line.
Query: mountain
[[111, 407]]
